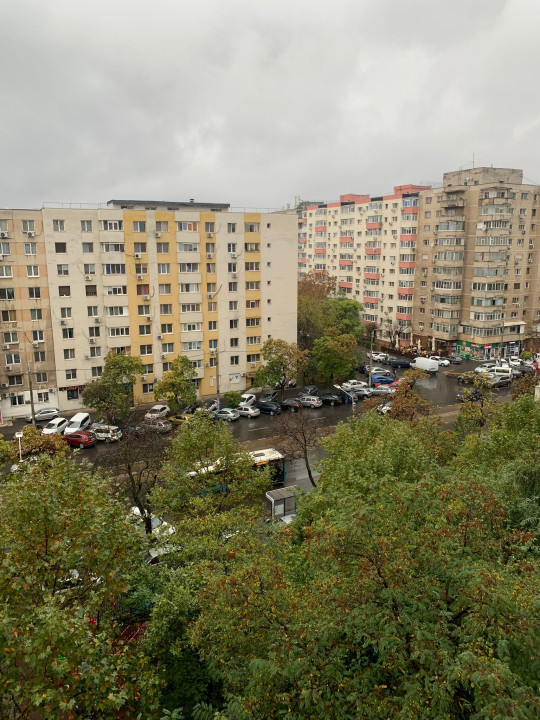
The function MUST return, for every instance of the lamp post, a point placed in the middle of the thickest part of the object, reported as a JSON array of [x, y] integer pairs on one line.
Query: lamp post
[[353, 399], [215, 352], [370, 356], [502, 341], [19, 435]]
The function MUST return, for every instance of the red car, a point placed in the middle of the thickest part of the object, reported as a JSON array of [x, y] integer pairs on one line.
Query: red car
[[81, 439]]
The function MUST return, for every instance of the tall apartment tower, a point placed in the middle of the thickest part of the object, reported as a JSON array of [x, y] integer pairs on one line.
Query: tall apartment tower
[[478, 274], [152, 279]]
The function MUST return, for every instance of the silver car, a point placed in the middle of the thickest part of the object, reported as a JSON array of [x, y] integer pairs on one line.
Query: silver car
[[311, 401]]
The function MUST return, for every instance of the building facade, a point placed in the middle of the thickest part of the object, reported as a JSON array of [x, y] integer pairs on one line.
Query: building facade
[[151, 279]]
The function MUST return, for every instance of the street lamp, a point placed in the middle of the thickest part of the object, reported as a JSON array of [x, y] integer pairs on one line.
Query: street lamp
[[19, 435], [353, 399]]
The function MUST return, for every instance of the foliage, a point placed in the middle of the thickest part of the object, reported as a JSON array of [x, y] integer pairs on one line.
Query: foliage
[[344, 315], [34, 443], [524, 385], [110, 393], [406, 403], [525, 355], [335, 355], [296, 434], [478, 407], [177, 386], [232, 399], [66, 549], [283, 362], [313, 290]]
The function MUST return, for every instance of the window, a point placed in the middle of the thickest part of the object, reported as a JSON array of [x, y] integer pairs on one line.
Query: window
[[11, 337], [212, 307], [233, 286], [62, 269], [60, 247], [209, 227], [235, 359], [164, 268], [192, 345], [28, 226], [17, 400], [91, 290], [118, 332], [36, 314], [148, 388], [6, 271], [210, 248], [71, 374], [30, 248], [251, 247], [64, 291], [211, 268], [15, 380], [165, 309], [143, 309], [58, 225], [69, 354], [212, 344], [252, 227], [120, 290], [254, 358], [86, 226], [87, 247], [145, 329], [233, 324], [72, 394], [148, 369], [94, 332], [164, 289], [184, 226], [37, 335], [254, 340], [9, 293], [112, 247], [231, 247], [231, 227], [190, 327], [162, 248], [139, 226], [96, 371], [145, 350], [67, 333], [212, 325], [254, 322], [189, 287], [41, 377], [233, 304], [190, 307], [114, 269], [65, 312], [234, 342], [252, 266], [32, 271], [115, 310], [252, 304], [9, 316], [211, 287], [188, 267], [92, 310], [162, 226], [166, 328], [231, 267], [143, 290], [253, 285], [13, 358], [167, 348]]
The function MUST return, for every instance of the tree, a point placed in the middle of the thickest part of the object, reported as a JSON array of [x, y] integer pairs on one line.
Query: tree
[[232, 398], [283, 363], [524, 385], [313, 290], [177, 385], [110, 394], [335, 354], [478, 407], [34, 443], [296, 434], [344, 315], [66, 552]]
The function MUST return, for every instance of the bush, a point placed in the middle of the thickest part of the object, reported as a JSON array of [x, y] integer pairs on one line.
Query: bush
[[232, 399]]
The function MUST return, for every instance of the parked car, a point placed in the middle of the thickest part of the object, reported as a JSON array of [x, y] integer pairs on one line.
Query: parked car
[[309, 390], [107, 433], [160, 527], [159, 425], [158, 411], [443, 362], [381, 380], [248, 399], [290, 384], [312, 401], [44, 414], [290, 404], [455, 359], [331, 398], [486, 367], [498, 381], [383, 390], [379, 356], [399, 362], [80, 421], [466, 378], [361, 393], [249, 411], [376, 370], [55, 427], [353, 384], [81, 439], [180, 418], [269, 396], [385, 408], [208, 405], [135, 430], [227, 414], [268, 408]]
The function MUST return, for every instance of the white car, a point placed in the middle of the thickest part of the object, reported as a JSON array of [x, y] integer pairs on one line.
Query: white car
[[158, 411], [248, 399], [55, 427], [379, 356], [442, 361], [353, 385], [248, 411], [484, 368], [513, 362]]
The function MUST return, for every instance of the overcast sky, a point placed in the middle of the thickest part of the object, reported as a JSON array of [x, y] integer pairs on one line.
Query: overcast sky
[[252, 102]]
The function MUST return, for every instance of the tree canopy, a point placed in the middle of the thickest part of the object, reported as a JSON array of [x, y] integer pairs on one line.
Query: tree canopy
[[177, 386], [110, 394], [283, 362]]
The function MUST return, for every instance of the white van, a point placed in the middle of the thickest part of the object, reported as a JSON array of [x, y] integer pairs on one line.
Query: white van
[[425, 364], [80, 421], [502, 371]]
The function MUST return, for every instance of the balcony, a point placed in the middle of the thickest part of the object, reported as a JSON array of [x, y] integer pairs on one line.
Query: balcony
[[372, 275], [374, 226], [453, 202], [346, 285], [344, 263], [373, 251], [407, 264], [403, 316], [320, 228]]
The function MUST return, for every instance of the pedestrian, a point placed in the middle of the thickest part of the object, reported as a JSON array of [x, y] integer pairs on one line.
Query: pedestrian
[[394, 373]]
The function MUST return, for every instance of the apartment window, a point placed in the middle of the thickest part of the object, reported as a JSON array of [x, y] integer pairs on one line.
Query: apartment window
[[34, 293], [253, 340], [145, 350], [162, 248], [211, 287], [143, 309], [231, 267], [9, 293], [17, 400], [141, 269], [190, 307], [253, 285], [65, 312], [251, 227], [62, 269], [37, 335], [118, 332], [231, 227], [167, 348], [192, 345], [86, 226], [164, 268], [91, 290], [233, 286], [233, 304], [253, 322], [209, 227], [30, 248], [71, 374], [36, 314], [6, 271], [67, 333], [115, 310], [28, 226], [251, 247], [165, 309], [212, 344], [92, 310], [233, 324], [32, 271], [235, 359], [114, 269], [15, 380], [10, 337], [231, 247], [190, 327], [143, 290], [69, 354], [87, 248], [212, 325], [183, 226], [148, 388], [120, 290], [96, 371], [211, 268], [252, 266], [162, 226], [58, 225], [60, 247], [13, 358], [212, 306], [252, 304], [164, 289], [254, 358], [145, 329], [41, 377], [64, 291], [94, 332], [166, 328], [234, 342], [139, 226], [39, 355], [188, 267], [210, 248]]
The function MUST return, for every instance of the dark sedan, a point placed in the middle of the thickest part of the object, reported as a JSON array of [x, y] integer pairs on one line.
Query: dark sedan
[[290, 405], [309, 390], [399, 362], [455, 359], [269, 408], [331, 399]]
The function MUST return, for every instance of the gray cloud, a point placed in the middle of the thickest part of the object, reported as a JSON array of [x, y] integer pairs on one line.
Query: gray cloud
[[252, 103]]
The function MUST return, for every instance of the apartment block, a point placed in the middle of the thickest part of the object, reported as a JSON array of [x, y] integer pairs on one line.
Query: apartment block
[[152, 279]]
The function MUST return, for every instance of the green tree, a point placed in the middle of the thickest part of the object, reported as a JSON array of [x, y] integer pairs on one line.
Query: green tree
[[335, 355], [313, 290], [524, 385], [177, 386], [111, 393], [34, 443], [343, 314], [232, 399], [66, 552], [478, 406], [283, 362]]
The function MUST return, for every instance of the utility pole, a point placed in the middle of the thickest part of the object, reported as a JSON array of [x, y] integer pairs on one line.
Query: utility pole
[[371, 356], [32, 409], [217, 378], [502, 341]]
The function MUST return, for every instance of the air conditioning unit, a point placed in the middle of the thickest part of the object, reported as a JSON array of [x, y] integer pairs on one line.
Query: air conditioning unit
[[140, 277], [35, 343], [97, 321], [62, 322], [12, 394], [433, 260], [205, 365], [163, 356], [92, 341], [147, 318], [146, 297], [8, 368], [209, 256], [253, 364], [137, 256], [234, 275], [4, 235], [233, 254], [5, 347], [87, 357], [157, 234], [209, 234], [87, 277], [210, 295], [243, 374], [4, 396], [31, 233], [143, 378], [4, 385], [159, 337]]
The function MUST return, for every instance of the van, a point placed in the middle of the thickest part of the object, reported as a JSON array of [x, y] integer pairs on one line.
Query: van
[[425, 364], [80, 421], [502, 371]]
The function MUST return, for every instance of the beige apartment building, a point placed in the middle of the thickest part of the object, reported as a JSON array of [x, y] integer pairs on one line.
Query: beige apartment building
[[153, 279]]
